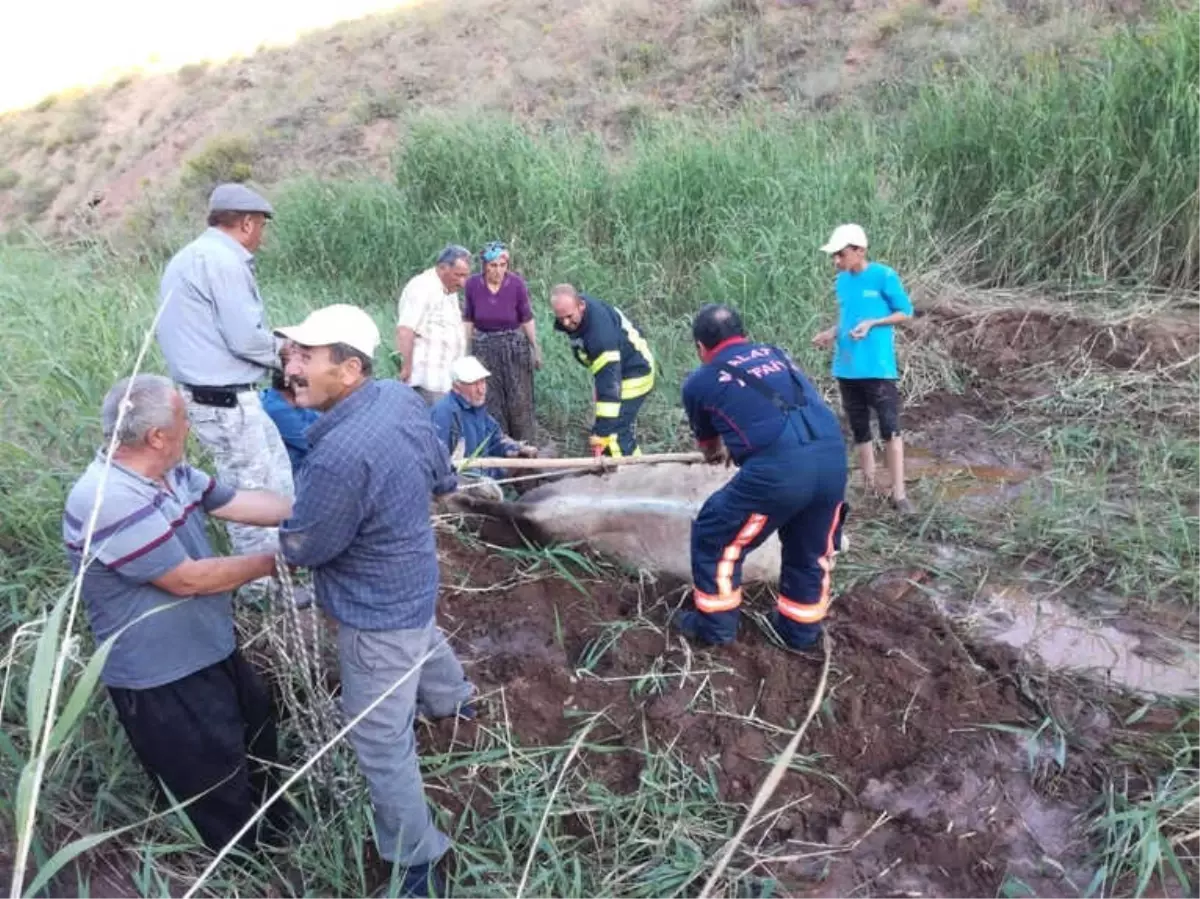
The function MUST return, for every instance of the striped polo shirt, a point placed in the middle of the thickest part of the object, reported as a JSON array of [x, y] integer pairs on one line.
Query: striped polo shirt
[[143, 530]]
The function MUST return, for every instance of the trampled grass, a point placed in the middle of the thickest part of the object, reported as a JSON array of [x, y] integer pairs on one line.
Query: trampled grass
[[1099, 184]]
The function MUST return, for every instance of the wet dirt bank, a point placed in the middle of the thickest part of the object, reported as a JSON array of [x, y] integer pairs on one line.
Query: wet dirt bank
[[909, 782]]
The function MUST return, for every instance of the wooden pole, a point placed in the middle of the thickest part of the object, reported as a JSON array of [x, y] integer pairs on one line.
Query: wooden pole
[[599, 463]]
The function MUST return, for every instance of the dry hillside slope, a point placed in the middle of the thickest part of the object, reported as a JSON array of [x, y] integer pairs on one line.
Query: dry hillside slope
[[336, 100]]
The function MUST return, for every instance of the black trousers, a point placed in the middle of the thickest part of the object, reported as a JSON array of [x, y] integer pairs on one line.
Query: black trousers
[[509, 357], [196, 734], [862, 395]]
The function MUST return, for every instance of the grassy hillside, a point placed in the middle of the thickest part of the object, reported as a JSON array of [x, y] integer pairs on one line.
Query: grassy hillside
[[1054, 200], [338, 100]]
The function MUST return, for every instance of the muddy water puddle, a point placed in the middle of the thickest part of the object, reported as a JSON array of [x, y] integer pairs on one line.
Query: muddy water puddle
[[1113, 650], [982, 478]]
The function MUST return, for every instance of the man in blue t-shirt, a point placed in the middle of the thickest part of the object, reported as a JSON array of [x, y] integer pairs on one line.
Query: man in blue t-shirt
[[871, 301]]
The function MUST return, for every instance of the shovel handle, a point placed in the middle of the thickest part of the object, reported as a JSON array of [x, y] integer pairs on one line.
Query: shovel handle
[[596, 462]]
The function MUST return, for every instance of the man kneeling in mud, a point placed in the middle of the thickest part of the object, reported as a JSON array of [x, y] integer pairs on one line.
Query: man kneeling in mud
[[749, 404]]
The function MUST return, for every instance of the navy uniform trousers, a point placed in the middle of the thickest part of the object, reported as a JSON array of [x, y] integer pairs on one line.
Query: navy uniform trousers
[[797, 489], [623, 440]]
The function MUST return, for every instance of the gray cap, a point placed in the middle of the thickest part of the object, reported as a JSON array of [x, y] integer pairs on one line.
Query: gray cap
[[238, 198]]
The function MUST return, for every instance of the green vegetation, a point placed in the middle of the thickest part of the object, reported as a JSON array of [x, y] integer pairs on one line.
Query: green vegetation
[[1085, 170], [1063, 173], [222, 159]]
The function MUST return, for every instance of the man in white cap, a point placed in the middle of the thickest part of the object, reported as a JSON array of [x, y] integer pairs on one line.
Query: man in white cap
[[464, 424], [871, 302], [361, 523], [218, 347]]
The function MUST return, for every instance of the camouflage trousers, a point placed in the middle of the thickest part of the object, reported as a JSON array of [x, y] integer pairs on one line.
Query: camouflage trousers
[[248, 454]]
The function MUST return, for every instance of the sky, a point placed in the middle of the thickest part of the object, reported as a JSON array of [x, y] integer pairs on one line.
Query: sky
[[49, 46]]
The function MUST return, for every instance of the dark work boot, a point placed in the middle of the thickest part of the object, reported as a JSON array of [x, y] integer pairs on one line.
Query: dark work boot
[[804, 637], [697, 626], [417, 881]]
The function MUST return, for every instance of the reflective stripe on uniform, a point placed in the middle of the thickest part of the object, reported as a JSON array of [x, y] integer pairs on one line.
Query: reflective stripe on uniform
[[635, 338], [709, 604], [804, 613], [730, 555], [814, 612], [608, 410], [604, 359], [632, 388]]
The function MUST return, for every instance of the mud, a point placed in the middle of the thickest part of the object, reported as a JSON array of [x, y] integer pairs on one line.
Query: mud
[[1111, 648], [985, 802], [1041, 358], [1004, 341], [901, 733], [978, 477], [925, 772]]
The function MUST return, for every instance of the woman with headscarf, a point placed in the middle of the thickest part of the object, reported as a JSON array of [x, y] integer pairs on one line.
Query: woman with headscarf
[[502, 334]]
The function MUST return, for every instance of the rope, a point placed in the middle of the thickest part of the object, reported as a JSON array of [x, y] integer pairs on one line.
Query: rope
[[314, 713]]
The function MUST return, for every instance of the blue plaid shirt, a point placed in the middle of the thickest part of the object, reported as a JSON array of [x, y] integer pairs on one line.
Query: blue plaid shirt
[[361, 520]]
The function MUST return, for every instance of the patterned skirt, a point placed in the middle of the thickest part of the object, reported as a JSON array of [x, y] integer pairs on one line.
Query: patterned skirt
[[508, 356]]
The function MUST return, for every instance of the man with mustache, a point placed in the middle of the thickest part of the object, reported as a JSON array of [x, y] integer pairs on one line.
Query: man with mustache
[[362, 524]]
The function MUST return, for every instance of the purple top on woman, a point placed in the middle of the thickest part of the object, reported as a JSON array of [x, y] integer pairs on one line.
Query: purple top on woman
[[504, 310]]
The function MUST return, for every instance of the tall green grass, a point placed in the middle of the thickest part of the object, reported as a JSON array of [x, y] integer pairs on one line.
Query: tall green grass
[[739, 212], [1058, 171], [1082, 168], [687, 216]]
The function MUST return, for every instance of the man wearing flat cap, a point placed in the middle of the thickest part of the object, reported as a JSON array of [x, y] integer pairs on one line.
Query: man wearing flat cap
[[218, 348]]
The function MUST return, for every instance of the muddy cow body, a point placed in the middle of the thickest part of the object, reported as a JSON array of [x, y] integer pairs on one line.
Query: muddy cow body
[[639, 514]]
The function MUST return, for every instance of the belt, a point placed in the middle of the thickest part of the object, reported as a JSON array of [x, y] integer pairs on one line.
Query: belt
[[225, 397], [236, 388]]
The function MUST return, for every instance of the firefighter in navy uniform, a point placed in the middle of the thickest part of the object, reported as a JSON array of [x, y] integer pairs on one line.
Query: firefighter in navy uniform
[[618, 357], [750, 405]]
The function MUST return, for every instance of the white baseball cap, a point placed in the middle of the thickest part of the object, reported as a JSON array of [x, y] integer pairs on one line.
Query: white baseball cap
[[340, 323], [845, 236], [468, 370]]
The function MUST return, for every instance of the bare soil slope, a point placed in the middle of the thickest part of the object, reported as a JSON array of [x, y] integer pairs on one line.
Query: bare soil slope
[[337, 99]]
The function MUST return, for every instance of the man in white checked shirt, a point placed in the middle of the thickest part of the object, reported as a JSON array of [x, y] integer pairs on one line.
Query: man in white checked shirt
[[429, 329]]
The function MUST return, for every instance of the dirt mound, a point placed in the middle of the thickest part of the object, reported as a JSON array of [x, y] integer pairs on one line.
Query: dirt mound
[[1007, 340], [899, 786]]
